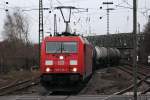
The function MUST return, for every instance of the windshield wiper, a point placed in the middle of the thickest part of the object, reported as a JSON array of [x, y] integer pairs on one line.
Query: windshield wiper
[[65, 51], [57, 51]]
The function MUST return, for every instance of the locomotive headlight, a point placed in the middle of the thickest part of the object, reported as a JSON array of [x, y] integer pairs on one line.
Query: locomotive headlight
[[74, 69], [73, 62], [61, 57], [48, 62], [48, 70]]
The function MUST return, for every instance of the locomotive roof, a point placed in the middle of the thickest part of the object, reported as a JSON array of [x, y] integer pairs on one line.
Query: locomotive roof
[[67, 38], [63, 38]]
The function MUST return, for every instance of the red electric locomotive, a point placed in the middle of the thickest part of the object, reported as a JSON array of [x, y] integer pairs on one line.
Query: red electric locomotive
[[65, 61]]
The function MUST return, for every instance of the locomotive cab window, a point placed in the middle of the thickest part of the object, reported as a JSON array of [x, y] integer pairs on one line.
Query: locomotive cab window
[[69, 47], [61, 47], [53, 47]]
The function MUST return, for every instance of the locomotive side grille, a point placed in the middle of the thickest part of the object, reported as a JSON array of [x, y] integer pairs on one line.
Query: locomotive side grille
[[61, 62]]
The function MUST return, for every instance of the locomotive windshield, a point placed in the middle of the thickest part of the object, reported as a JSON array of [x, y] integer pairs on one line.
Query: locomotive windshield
[[53, 47], [61, 47]]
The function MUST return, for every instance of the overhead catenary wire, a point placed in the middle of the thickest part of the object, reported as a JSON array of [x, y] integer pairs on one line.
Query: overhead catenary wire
[[125, 1], [33, 9], [92, 11], [62, 3]]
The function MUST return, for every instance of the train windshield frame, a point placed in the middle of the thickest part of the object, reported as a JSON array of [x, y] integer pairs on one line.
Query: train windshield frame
[[61, 47]]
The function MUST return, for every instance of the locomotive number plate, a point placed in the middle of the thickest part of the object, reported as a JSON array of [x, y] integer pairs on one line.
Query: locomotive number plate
[[61, 62], [59, 70]]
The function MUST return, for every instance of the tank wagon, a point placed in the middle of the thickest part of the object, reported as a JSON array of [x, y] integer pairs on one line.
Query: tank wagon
[[104, 55]]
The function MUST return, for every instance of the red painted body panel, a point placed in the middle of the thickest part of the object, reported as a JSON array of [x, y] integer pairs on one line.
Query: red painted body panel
[[83, 56], [88, 59]]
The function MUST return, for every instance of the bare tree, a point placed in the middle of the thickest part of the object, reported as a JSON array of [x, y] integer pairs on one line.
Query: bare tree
[[16, 50], [16, 27]]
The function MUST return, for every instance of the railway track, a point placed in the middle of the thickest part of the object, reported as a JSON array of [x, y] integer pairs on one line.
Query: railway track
[[142, 76], [18, 85]]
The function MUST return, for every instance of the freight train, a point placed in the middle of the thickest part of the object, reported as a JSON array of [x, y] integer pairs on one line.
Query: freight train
[[67, 61]]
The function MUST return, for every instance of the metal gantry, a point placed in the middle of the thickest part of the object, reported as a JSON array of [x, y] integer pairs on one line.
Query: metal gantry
[[41, 29], [55, 25], [135, 47], [108, 11]]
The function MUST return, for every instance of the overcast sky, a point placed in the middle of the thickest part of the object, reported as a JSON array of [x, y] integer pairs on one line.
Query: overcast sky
[[120, 18]]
